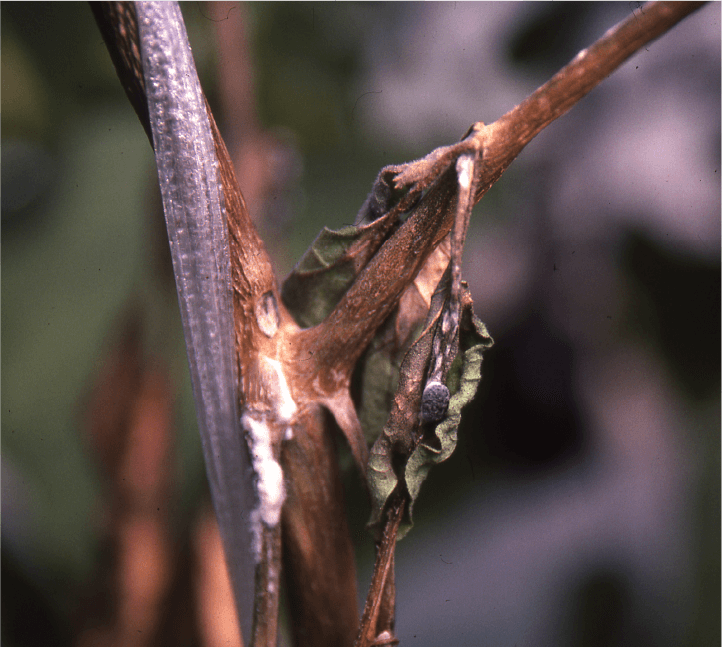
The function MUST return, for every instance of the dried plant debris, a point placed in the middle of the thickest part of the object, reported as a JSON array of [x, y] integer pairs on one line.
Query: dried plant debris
[[411, 384], [409, 445], [335, 258]]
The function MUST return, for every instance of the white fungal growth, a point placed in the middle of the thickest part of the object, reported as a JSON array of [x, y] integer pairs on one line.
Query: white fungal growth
[[267, 314], [464, 170], [279, 395], [269, 478], [263, 429], [581, 55]]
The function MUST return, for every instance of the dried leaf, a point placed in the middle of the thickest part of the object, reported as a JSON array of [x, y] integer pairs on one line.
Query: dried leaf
[[329, 267], [406, 450], [462, 381]]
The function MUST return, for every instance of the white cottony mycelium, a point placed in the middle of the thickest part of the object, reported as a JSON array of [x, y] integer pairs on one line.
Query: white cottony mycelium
[[276, 387], [259, 427], [269, 478], [465, 169]]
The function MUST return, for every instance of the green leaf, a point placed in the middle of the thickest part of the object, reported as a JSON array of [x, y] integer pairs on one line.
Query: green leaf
[[335, 258], [321, 277]]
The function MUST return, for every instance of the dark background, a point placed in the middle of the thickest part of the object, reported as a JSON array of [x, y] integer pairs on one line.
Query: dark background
[[582, 505]]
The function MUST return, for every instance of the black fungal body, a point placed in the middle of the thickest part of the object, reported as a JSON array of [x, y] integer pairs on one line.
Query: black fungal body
[[434, 402]]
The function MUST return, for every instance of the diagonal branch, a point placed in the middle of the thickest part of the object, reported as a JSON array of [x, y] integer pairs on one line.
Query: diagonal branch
[[376, 625], [505, 138], [341, 338]]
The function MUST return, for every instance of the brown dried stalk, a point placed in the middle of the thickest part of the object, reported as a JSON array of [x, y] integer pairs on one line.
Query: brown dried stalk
[[377, 622], [129, 432]]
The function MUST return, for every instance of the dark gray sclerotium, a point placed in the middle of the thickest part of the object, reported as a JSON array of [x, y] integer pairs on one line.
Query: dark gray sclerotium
[[434, 402]]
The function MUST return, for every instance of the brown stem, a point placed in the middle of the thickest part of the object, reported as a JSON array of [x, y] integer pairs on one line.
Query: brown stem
[[251, 270], [118, 25], [506, 137], [378, 616], [318, 557], [266, 599]]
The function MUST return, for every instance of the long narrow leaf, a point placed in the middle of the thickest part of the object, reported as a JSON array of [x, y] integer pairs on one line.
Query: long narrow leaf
[[197, 230]]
